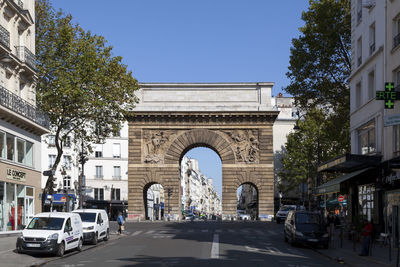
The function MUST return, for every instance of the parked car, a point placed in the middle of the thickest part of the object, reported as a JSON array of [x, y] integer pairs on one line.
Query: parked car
[[95, 225], [283, 211], [241, 215], [52, 232], [305, 227]]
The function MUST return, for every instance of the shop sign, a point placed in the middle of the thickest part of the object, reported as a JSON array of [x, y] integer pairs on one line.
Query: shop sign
[[389, 95], [390, 120], [392, 178], [16, 175]]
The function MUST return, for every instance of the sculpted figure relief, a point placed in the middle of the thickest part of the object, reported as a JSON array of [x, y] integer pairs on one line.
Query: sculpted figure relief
[[245, 145], [155, 143]]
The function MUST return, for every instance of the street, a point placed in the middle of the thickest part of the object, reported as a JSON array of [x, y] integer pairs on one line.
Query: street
[[197, 244]]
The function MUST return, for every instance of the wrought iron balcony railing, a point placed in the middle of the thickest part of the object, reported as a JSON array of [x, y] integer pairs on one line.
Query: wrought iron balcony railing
[[371, 48], [20, 3], [396, 40], [118, 177], [4, 36], [25, 55], [20, 106], [98, 177]]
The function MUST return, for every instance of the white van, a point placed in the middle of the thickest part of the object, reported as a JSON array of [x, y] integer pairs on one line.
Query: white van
[[52, 232], [95, 225]]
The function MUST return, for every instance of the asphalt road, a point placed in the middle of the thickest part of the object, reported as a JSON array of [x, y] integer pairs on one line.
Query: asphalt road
[[197, 244]]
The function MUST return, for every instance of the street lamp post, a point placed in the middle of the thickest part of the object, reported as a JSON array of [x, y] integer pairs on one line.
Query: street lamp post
[[82, 160]]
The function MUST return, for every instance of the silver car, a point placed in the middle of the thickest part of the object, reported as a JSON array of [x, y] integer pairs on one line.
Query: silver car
[[283, 211]]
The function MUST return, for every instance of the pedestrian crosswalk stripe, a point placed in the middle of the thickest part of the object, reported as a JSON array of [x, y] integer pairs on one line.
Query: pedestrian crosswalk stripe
[[204, 230], [150, 232], [136, 233], [259, 232], [231, 231], [218, 231]]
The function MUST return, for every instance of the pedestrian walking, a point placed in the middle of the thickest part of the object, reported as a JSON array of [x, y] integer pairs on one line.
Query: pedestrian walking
[[331, 226], [366, 238], [121, 222]]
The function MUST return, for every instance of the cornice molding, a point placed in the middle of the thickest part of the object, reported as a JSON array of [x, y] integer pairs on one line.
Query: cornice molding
[[190, 118]]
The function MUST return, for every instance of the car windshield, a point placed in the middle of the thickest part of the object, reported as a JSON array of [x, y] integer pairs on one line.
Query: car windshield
[[287, 208], [307, 218], [87, 217], [46, 223]]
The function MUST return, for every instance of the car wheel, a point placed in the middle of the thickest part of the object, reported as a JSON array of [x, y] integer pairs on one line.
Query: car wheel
[[95, 239], [61, 250], [80, 244], [107, 235], [19, 249]]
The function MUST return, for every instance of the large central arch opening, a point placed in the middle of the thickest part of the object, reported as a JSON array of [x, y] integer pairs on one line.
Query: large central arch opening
[[201, 184]]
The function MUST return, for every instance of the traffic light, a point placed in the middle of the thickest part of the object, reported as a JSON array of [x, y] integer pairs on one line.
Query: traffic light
[[169, 192]]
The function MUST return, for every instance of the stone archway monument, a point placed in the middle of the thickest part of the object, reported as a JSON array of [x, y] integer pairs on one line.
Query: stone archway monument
[[233, 119]]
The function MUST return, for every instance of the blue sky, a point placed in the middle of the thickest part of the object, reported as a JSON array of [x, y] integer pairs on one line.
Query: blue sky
[[196, 41]]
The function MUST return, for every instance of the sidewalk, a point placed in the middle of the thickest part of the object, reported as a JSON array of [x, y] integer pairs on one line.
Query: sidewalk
[[349, 253]]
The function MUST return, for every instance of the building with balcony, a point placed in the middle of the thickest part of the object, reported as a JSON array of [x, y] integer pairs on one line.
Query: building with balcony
[[21, 123], [371, 173]]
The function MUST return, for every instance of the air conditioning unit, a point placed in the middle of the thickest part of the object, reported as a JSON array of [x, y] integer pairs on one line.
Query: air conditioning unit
[[368, 3]]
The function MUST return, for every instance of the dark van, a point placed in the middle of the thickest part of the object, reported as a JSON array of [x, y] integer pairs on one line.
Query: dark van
[[305, 227]]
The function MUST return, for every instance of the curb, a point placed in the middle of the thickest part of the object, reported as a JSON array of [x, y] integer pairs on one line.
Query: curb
[[349, 264]]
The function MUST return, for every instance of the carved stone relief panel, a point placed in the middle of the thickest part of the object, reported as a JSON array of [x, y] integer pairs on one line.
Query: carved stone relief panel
[[245, 144], [155, 143]]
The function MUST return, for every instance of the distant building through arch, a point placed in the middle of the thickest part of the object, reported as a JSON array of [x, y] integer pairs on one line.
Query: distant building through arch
[[233, 119]]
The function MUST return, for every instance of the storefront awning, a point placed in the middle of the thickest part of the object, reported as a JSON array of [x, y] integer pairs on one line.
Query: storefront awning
[[349, 163], [333, 186]]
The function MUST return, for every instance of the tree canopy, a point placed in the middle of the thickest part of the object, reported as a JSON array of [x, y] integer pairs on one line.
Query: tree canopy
[[84, 88], [318, 72]]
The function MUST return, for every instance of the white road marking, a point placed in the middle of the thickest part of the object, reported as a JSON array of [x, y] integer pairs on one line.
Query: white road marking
[[218, 231], [259, 232], [272, 232], [150, 232], [136, 233], [231, 231], [204, 230], [215, 247]]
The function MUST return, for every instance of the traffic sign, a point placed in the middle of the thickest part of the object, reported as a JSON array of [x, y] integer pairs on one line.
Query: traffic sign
[[340, 198]]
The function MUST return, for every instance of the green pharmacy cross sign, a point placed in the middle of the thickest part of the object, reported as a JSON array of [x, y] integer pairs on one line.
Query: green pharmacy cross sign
[[389, 95]]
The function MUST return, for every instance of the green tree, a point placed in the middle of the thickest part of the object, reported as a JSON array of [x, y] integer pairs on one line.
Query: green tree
[[305, 148], [83, 87], [318, 71]]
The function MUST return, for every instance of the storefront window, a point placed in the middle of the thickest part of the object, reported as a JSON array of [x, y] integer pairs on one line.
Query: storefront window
[[29, 154], [366, 200], [9, 207], [21, 207], [10, 146], [2, 145], [392, 215], [20, 150]]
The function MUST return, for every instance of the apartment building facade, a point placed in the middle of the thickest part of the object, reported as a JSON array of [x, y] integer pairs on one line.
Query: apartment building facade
[[21, 123]]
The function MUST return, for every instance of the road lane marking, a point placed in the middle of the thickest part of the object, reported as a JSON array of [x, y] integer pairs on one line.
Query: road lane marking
[[259, 232], [231, 231], [215, 247], [136, 233], [205, 230], [272, 232], [218, 231], [150, 232]]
